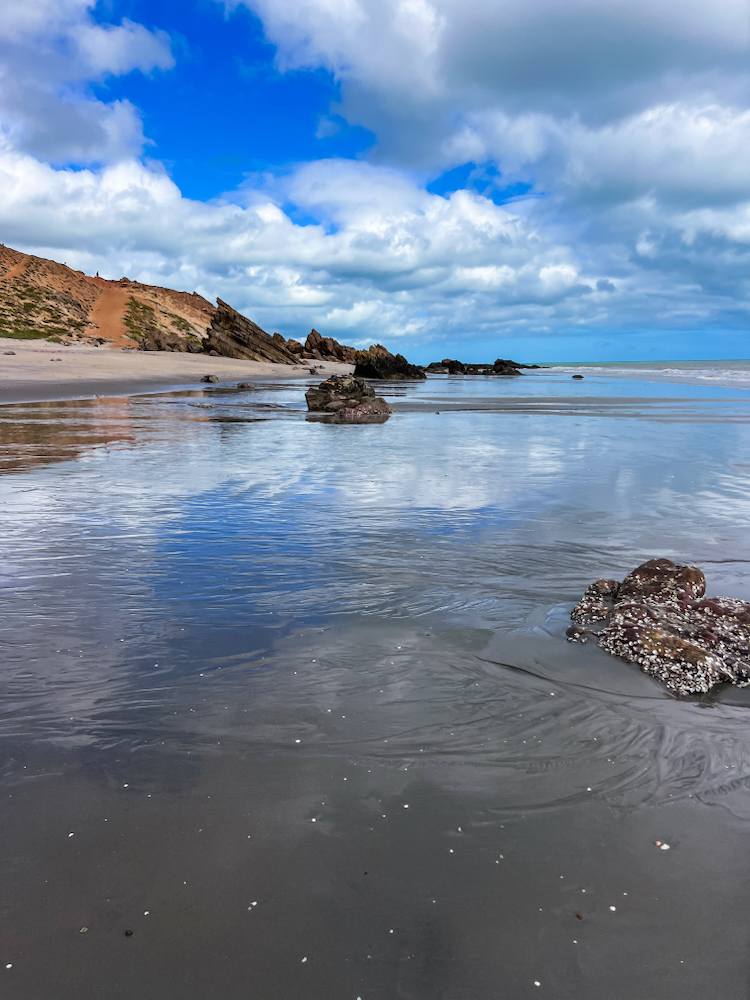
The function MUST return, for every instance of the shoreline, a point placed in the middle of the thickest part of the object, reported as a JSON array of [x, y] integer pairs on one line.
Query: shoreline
[[30, 375]]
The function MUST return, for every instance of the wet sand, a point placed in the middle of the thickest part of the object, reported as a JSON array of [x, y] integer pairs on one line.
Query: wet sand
[[292, 704], [39, 370]]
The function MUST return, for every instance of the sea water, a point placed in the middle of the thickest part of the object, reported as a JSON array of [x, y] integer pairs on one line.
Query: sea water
[[286, 710]]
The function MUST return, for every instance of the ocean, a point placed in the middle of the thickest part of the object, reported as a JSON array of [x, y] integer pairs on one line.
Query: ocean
[[286, 709]]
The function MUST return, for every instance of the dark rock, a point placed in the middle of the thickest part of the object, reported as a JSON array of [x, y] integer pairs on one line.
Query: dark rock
[[8, 353], [377, 362], [504, 367], [328, 349], [575, 633], [233, 335], [247, 386], [501, 366], [448, 366], [345, 399], [213, 379], [154, 338], [659, 618], [577, 376]]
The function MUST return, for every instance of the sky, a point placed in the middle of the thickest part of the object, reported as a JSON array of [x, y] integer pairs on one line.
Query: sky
[[468, 178]]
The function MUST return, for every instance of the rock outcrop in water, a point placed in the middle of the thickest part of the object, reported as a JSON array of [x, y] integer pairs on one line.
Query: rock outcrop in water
[[660, 618], [345, 399], [501, 366], [377, 362]]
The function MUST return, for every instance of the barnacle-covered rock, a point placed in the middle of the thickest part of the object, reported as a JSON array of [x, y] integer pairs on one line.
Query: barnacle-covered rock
[[659, 618]]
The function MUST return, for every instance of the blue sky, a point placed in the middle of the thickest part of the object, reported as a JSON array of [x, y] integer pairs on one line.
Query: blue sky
[[225, 85], [450, 177]]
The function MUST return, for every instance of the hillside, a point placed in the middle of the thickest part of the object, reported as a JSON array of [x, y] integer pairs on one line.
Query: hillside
[[44, 300]]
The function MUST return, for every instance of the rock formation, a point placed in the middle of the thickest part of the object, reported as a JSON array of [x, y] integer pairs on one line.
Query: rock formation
[[502, 366], [660, 618], [345, 399], [377, 362], [233, 335], [43, 299], [327, 349]]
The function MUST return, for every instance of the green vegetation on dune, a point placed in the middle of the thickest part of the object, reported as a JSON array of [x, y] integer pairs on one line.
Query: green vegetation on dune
[[149, 330], [30, 312], [140, 319], [24, 333]]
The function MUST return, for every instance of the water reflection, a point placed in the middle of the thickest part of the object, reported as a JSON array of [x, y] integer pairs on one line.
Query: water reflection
[[250, 659]]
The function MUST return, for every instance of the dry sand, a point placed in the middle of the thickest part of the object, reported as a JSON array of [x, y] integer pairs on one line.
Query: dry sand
[[39, 370]]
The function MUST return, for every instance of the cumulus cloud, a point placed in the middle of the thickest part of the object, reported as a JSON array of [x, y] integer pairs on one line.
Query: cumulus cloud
[[596, 60], [416, 266], [628, 121], [49, 53]]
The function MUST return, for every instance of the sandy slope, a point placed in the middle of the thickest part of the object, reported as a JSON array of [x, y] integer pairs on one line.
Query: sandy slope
[[31, 374], [108, 315]]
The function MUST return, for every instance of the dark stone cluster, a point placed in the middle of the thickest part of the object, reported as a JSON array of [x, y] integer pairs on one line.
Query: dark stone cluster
[[660, 618], [346, 399]]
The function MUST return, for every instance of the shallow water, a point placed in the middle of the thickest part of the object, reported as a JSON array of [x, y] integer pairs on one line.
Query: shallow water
[[300, 695]]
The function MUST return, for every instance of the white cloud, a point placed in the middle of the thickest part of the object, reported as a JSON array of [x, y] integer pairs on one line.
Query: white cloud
[[597, 60], [121, 48], [49, 53], [629, 120], [416, 267]]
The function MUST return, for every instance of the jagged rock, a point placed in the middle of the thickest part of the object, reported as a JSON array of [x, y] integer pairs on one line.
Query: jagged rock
[[659, 618], [213, 379], [157, 339], [377, 362], [295, 348], [345, 399], [502, 366], [328, 349], [233, 335], [448, 366]]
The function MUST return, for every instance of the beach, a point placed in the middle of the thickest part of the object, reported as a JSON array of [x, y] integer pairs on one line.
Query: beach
[[40, 370], [287, 709]]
